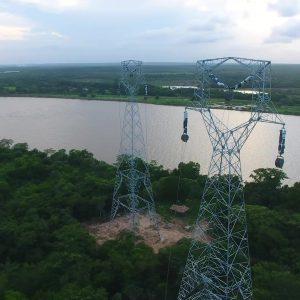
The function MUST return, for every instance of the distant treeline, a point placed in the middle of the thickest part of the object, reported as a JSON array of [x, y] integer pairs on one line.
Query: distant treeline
[[46, 252], [90, 81]]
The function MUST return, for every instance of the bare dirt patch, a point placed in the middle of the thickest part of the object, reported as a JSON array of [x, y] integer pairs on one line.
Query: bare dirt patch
[[168, 235]]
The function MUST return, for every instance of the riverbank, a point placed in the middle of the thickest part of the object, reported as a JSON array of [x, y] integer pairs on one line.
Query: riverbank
[[239, 105]]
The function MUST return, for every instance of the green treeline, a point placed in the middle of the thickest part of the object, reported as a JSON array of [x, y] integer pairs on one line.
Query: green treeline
[[102, 82], [46, 252]]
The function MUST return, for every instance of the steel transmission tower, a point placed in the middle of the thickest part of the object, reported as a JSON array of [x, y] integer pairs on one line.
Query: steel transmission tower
[[133, 190], [218, 265]]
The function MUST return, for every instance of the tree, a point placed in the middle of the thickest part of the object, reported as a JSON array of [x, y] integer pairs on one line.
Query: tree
[[266, 233], [14, 295], [271, 282], [6, 143], [270, 177], [45, 253], [157, 171], [190, 170], [75, 292], [266, 187]]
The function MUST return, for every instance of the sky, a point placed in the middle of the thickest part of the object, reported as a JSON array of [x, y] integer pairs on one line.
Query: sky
[[102, 31]]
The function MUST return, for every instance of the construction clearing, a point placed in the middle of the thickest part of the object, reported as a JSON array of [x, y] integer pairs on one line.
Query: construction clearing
[[169, 232]]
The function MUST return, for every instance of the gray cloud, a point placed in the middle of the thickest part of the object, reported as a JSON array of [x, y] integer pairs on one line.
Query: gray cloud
[[157, 33], [209, 24], [199, 39], [154, 30], [286, 8], [200, 26], [208, 30], [197, 31], [287, 33]]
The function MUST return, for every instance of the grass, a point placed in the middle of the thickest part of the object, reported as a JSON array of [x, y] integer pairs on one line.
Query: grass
[[172, 101]]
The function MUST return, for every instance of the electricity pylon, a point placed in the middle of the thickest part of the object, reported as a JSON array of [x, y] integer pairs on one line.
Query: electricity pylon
[[133, 190], [218, 264]]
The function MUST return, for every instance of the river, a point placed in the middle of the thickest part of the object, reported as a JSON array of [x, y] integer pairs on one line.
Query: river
[[96, 125]]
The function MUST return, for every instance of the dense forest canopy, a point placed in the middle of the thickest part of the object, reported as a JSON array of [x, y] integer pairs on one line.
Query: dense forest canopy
[[46, 252]]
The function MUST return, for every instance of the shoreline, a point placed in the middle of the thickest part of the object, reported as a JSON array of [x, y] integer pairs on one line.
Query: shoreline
[[169, 101]]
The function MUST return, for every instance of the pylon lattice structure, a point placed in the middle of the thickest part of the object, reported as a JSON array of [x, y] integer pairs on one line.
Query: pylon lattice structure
[[218, 264], [133, 190]]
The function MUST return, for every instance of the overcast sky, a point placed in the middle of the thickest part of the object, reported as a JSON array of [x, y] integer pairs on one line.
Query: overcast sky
[[94, 31]]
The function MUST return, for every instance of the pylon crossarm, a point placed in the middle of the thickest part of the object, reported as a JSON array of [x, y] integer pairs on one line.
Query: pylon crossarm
[[256, 66], [210, 64], [270, 118]]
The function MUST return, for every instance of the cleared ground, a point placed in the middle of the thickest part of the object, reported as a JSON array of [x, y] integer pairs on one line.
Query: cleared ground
[[168, 234]]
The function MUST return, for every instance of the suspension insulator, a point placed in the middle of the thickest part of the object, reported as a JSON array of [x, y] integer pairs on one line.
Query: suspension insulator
[[279, 162], [240, 84], [281, 144], [185, 120], [216, 80], [185, 136]]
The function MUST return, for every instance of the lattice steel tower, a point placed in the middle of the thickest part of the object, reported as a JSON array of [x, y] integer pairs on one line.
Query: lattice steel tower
[[218, 265], [133, 190]]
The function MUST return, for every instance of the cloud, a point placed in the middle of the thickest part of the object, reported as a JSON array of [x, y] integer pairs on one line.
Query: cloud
[[192, 33], [196, 26], [13, 27], [200, 39], [8, 18], [286, 8], [11, 33], [54, 5], [51, 34], [157, 33], [149, 29], [58, 35], [16, 28], [213, 23], [208, 30], [286, 33]]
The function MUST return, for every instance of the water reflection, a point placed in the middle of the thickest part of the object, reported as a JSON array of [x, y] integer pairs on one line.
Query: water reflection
[[95, 126]]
